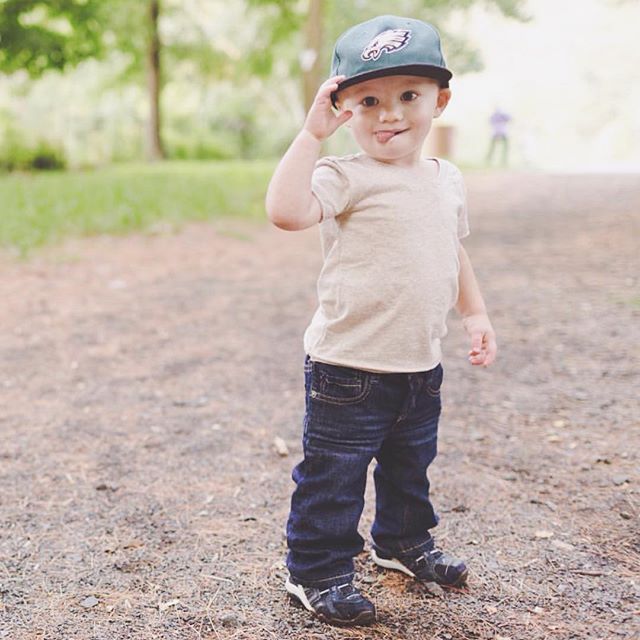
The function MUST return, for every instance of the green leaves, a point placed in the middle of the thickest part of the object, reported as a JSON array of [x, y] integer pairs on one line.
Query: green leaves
[[37, 36]]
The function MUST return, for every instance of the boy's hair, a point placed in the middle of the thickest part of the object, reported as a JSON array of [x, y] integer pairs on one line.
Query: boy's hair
[[389, 45]]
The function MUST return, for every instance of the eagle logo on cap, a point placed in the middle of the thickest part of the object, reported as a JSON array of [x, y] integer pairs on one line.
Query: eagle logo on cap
[[386, 42]]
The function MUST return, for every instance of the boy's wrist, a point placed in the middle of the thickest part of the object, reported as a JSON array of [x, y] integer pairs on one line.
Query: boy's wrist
[[476, 312], [478, 318], [311, 136], [465, 312]]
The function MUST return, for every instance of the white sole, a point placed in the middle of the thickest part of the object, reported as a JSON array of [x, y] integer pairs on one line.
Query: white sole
[[398, 566], [297, 591], [392, 563], [364, 618]]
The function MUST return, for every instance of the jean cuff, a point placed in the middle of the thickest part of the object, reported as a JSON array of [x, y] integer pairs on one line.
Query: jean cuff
[[410, 551], [324, 583]]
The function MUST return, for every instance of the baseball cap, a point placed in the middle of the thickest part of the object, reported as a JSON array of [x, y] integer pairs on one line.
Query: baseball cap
[[389, 45]]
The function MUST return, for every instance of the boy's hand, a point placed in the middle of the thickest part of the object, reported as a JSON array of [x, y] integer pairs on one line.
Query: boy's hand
[[321, 121], [483, 339]]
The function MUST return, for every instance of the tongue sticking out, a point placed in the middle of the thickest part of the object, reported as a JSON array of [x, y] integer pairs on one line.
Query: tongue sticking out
[[384, 136]]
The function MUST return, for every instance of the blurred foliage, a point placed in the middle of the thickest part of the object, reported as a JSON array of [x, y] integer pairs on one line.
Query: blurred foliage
[[36, 36], [16, 154], [231, 71], [190, 35]]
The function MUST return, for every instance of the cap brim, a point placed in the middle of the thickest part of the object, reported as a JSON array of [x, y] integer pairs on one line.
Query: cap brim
[[440, 74]]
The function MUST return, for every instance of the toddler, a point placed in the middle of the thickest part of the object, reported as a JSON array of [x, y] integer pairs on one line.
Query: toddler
[[391, 223]]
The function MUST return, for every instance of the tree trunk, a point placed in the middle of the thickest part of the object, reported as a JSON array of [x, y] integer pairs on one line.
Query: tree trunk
[[155, 150], [311, 58]]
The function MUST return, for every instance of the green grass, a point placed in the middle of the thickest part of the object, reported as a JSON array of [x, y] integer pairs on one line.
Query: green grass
[[38, 209]]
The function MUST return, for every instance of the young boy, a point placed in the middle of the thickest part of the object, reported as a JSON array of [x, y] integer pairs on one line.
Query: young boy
[[391, 223]]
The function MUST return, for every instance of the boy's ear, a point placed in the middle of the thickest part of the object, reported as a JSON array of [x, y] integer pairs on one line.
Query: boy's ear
[[444, 95]]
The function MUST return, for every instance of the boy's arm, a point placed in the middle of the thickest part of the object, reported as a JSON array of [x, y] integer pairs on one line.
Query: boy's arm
[[475, 320], [290, 204]]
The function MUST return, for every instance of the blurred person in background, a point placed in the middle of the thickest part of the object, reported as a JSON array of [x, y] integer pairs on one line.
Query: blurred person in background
[[499, 122]]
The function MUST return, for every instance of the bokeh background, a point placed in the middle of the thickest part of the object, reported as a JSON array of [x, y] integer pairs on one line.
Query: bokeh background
[[233, 77], [98, 92]]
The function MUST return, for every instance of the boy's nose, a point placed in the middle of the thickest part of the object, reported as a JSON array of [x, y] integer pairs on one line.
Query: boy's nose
[[390, 114]]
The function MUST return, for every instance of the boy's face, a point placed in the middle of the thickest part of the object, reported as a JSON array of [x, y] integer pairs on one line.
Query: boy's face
[[392, 116]]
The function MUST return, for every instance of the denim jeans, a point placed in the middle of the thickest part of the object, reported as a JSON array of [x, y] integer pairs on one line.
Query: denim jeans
[[351, 417]]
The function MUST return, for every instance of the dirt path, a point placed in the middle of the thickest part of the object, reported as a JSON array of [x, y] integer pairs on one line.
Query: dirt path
[[144, 379]]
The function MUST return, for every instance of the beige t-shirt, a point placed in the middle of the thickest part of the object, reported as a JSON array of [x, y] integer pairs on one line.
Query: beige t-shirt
[[390, 239]]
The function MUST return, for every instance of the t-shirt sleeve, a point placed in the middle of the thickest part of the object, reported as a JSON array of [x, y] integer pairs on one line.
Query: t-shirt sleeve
[[459, 190], [330, 186], [463, 214]]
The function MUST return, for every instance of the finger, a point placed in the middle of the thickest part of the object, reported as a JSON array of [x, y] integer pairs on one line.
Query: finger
[[476, 342], [324, 94], [492, 350], [344, 116], [334, 80], [331, 84]]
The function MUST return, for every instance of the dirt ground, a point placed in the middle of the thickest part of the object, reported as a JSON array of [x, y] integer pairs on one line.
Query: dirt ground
[[143, 381]]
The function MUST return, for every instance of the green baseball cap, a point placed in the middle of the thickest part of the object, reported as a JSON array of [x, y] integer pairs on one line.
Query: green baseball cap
[[387, 46]]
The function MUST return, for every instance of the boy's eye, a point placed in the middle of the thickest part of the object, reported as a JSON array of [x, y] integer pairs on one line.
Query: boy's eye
[[370, 101], [408, 96]]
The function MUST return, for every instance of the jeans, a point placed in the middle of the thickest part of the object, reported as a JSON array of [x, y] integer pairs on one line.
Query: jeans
[[351, 417]]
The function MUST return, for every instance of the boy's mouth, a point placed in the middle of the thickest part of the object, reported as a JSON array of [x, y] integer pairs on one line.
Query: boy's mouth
[[386, 134]]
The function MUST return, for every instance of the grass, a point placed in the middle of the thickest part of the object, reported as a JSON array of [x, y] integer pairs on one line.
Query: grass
[[39, 209]]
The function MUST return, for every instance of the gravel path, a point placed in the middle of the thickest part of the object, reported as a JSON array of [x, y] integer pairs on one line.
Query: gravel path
[[145, 378]]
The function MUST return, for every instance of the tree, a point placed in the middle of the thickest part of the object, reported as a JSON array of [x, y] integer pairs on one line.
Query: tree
[[35, 36], [181, 36], [155, 149], [133, 28], [281, 21]]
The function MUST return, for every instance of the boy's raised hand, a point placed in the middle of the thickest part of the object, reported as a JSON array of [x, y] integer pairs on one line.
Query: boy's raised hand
[[321, 121], [483, 339]]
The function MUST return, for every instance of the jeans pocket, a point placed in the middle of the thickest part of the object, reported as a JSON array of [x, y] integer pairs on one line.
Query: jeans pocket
[[339, 385], [434, 381]]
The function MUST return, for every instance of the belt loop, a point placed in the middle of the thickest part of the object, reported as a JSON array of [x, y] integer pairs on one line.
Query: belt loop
[[414, 387]]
